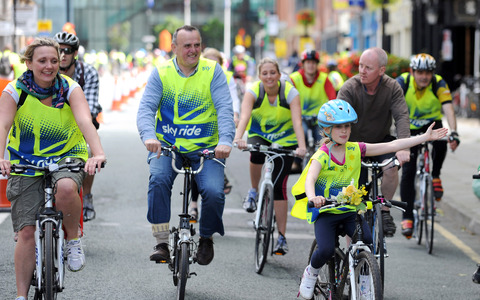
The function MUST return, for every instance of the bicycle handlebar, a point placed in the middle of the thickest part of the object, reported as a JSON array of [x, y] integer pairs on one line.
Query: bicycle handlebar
[[388, 203], [381, 165], [476, 176], [272, 148], [72, 167], [205, 154]]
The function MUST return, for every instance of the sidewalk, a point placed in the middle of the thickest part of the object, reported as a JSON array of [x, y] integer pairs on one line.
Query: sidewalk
[[459, 203]]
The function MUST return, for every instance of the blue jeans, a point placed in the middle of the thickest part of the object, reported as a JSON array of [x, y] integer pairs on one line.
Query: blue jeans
[[210, 185]]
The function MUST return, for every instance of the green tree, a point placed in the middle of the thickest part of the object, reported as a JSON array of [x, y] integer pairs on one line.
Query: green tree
[[212, 34], [119, 35]]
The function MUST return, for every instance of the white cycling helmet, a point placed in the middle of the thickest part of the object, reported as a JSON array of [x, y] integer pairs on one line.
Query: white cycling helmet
[[423, 62]]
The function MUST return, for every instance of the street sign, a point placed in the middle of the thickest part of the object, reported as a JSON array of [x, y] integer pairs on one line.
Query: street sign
[[44, 26], [26, 20]]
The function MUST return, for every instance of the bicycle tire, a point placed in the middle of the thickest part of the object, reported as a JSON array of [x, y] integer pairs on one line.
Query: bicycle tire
[[175, 258], [264, 229], [418, 213], [379, 241], [429, 211], [368, 284], [183, 263], [49, 261]]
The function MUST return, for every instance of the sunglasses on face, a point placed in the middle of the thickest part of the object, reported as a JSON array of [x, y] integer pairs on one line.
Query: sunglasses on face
[[67, 50]]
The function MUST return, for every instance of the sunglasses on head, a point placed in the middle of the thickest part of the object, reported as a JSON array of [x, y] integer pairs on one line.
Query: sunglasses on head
[[67, 50]]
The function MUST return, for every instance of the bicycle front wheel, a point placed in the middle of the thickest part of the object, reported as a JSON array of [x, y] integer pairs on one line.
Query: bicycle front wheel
[[264, 229], [379, 240], [418, 211], [49, 261], [367, 284], [183, 270], [429, 213]]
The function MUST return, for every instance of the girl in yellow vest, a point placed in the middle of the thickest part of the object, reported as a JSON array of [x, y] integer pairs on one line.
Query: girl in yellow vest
[[271, 113], [336, 165], [49, 118]]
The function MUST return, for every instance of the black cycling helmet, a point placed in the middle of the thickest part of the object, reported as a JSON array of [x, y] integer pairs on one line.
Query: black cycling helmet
[[67, 39], [311, 55]]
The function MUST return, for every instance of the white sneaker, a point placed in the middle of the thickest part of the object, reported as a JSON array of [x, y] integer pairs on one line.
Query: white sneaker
[[75, 256], [20, 298], [307, 285]]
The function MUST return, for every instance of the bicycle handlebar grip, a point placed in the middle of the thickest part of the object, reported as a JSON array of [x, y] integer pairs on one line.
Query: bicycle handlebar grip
[[476, 176], [400, 204]]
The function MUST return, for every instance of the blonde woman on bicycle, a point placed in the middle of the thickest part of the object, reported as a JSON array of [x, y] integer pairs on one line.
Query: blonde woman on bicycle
[[333, 167], [271, 113]]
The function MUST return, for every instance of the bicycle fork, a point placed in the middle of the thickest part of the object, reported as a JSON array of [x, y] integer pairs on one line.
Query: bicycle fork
[[266, 180]]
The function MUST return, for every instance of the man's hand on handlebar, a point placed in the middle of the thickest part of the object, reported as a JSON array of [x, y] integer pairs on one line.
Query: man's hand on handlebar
[[5, 166], [403, 156], [301, 152], [154, 145], [240, 144], [222, 151]]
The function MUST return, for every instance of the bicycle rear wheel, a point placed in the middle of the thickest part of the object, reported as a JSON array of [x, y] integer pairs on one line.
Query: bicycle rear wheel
[[429, 212], [264, 229], [368, 284], [183, 270], [49, 262]]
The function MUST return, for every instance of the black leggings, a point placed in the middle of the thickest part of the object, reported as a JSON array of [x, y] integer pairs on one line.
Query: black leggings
[[407, 183]]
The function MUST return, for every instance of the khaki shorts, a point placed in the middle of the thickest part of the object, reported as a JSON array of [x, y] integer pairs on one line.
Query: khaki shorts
[[26, 195]]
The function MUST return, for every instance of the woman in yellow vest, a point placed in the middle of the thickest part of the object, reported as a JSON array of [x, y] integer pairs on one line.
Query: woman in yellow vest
[[49, 118], [271, 118], [335, 166]]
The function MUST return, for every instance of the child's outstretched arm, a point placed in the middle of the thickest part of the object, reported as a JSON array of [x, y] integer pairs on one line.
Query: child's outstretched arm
[[396, 145]]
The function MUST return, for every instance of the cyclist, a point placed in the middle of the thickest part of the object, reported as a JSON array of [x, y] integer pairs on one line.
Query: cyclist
[[186, 103], [335, 164], [271, 113], [48, 109], [315, 89], [378, 99], [426, 94], [87, 77], [214, 54], [334, 75], [242, 62]]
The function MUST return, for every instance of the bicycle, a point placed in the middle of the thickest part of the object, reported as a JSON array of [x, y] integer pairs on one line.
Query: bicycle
[[49, 273], [353, 273], [311, 122], [264, 223], [181, 244], [374, 216]]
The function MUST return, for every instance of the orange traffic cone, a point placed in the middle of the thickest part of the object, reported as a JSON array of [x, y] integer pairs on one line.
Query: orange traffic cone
[[116, 102], [4, 203]]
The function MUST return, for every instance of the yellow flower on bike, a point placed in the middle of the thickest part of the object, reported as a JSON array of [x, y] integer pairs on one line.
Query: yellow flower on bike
[[353, 196]]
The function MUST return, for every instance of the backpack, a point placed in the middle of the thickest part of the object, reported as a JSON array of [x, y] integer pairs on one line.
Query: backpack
[[281, 95], [5, 66]]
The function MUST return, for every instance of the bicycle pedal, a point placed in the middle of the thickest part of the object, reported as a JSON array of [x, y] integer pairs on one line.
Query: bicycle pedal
[[162, 261]]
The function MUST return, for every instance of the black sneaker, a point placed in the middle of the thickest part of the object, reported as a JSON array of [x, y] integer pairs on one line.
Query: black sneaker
[[205, 251], [389, 226], [161, 254], [476, 275]]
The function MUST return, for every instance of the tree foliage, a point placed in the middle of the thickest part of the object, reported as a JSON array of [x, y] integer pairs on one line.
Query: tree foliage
[[212, 34], [119, 35]]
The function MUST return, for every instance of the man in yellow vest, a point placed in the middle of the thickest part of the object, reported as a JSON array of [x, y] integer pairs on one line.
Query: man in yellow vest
[[315, 90], [186, 103]]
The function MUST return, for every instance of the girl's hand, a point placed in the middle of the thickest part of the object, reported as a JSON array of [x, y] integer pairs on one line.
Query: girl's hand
[[318, 201], [436, 134]]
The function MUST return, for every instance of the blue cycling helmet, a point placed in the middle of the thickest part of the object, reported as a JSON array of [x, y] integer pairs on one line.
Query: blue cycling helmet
[[336, 112]]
